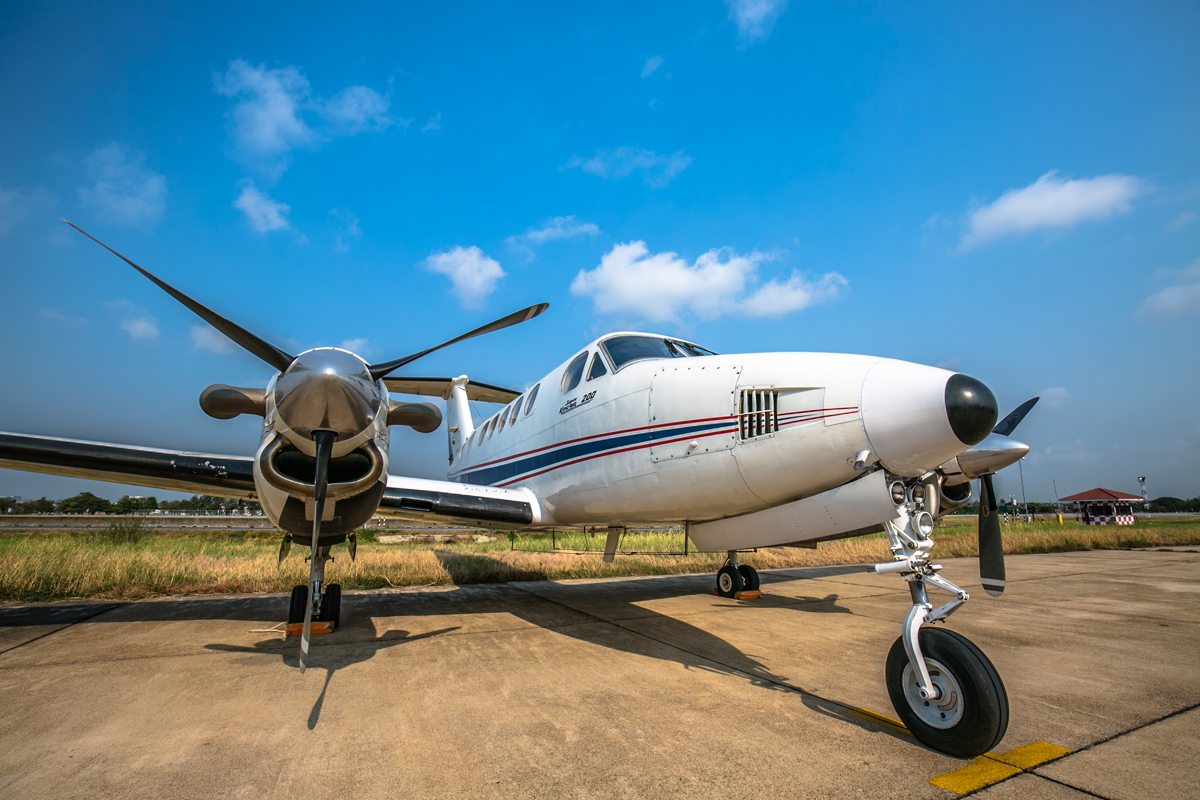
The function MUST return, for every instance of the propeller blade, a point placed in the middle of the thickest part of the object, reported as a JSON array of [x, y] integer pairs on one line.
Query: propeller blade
[[285, 546], [324, 442], [379, 370], [1007, 425], [239, 335], [991, 547], [353, 539]]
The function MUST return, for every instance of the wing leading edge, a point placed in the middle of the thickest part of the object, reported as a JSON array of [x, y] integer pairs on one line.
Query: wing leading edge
[[195, 473]]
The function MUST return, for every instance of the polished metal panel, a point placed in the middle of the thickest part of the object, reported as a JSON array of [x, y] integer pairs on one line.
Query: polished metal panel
[[226, 402], [335, 490], [327, 389], [421, 417], [993, 454]]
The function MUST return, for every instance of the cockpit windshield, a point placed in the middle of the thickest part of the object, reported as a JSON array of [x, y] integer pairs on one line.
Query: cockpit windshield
[[627, 349]]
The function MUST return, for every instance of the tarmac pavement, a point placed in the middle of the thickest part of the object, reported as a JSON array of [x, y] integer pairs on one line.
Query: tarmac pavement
[[631, 687]]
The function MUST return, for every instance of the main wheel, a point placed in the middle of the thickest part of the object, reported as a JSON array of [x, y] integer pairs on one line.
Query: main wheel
[[749, 577], [296, 606], [331, 604], [729, 580], [970, 716]]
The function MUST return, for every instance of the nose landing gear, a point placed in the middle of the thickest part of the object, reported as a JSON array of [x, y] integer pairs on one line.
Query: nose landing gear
[[944, 689]]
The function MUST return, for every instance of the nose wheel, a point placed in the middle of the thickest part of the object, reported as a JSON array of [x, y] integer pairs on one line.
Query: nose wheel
[[970, 714]]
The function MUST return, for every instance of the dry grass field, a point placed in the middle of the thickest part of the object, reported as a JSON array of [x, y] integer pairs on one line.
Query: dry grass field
[[129, 563]]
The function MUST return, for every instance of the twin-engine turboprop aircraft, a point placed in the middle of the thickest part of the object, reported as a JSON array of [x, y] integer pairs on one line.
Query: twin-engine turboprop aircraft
[[746, 451]]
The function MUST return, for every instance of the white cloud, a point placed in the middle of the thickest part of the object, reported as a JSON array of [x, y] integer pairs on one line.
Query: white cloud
[[1055, 397], [1050, 202], [473, 274], [434, 123], [1179, 299], [354, 345], [270, 109], [754, 18], [58, 316], [660, 286], [1184, 219], [657, 170], [551, 230], [1173, 302], [123, 191], [349, 230], [141, 328], [652, 63], [263, 213], [774, 299], [206, 337], [17, 205], [356, 109]]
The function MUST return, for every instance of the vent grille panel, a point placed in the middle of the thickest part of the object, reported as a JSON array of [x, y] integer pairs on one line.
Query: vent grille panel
[[757, 413]]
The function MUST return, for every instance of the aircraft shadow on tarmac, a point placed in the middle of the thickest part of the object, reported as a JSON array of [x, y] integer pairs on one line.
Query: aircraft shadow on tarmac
[[609, 614]]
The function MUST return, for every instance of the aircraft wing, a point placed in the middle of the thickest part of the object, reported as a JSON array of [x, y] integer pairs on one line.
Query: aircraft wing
[[420, 500], [437, 387], [195, 473]]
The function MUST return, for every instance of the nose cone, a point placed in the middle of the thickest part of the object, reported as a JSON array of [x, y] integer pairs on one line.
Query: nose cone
[[327, 389], [918, 417], [971, 409]]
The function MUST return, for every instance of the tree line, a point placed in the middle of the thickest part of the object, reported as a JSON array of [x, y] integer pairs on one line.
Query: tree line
[[88, 503]]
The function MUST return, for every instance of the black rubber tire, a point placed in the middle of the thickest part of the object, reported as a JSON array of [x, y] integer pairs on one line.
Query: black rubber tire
[[331, 605], [732, 580], [749, 577], [985, 703], [296, 606]]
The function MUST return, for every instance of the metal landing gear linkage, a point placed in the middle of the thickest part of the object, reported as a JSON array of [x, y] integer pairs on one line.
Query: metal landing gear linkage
[[946, 691]]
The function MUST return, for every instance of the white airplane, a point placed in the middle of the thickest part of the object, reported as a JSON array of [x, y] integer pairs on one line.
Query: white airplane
[[745, 451]]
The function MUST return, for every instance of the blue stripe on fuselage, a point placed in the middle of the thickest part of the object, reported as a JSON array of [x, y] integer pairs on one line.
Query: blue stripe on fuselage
[[489, 476]]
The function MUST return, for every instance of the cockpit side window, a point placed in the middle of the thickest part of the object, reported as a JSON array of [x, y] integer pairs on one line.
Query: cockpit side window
[[597, 369], [574, 372]]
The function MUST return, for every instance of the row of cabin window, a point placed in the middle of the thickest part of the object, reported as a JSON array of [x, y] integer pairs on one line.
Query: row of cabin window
[[622, 349], [509, 413]]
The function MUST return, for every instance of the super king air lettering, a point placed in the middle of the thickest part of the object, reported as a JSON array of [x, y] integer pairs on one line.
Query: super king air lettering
[[571, 405]]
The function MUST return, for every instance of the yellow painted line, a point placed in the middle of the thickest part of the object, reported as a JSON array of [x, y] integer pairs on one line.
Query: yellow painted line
[[893, 725], [994, 767], [983, 772], [1030, 755]]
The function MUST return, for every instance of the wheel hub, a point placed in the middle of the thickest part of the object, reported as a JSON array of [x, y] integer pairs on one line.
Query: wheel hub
[[947, 709], [725, 582]]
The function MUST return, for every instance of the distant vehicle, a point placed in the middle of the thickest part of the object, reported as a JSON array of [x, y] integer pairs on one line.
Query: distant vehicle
[[749, 450]]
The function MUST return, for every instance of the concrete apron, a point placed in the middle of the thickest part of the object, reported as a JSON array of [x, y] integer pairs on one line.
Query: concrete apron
[[635, 687]]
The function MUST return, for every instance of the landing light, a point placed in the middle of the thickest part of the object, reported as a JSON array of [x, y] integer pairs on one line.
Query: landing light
[[925, 523], [898, 494], [918, 494]]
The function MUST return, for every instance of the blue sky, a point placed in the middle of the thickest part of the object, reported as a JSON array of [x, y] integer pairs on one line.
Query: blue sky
[[1009, 190]]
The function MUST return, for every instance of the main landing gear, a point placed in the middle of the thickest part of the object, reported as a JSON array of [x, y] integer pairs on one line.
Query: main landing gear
[[733, 578], [327, 600], [942, 686]]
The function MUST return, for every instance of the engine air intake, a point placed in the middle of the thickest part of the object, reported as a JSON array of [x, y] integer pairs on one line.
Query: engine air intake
[[757, 413]]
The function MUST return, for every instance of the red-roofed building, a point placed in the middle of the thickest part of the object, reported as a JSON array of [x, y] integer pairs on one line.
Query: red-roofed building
[[1102, 506]]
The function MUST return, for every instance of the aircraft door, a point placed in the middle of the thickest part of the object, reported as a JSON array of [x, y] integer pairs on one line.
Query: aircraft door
[[693, 410]]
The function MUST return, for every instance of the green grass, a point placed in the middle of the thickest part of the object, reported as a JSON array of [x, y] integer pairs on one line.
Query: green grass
[[130, 563]]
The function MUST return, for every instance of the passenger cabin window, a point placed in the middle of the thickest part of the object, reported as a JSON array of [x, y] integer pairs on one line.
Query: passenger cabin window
[[574, 372], [597, 369], [625, 350], [532, 396], [516, 410]]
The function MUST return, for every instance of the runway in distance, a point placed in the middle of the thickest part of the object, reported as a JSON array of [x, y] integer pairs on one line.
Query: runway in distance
[[744, 451]]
